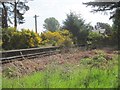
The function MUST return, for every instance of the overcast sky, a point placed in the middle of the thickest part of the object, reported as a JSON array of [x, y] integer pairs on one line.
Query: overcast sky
[[58, 9]]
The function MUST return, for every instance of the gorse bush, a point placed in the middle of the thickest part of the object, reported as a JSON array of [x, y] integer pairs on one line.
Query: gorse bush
[[32, 39], [57, 38], [12, 39]]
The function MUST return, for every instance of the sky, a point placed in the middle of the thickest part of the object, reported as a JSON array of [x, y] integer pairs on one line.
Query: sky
[[58, 9]]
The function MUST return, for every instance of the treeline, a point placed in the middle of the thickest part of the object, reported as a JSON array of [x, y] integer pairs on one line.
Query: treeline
[[73, 32]]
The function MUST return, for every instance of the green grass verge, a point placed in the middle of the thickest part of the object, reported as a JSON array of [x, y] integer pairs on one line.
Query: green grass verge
[[88, 73]]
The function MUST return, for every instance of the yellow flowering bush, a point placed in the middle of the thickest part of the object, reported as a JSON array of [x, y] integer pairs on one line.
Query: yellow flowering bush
[[14, 39], [57, 38], [32, 39]]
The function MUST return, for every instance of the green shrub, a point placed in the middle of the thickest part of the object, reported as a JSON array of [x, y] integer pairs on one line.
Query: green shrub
[[95, 38], [7, 35], [99, 60], [12, 39]]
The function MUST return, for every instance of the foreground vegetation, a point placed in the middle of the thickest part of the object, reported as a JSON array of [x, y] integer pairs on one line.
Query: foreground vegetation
[[89, 72]]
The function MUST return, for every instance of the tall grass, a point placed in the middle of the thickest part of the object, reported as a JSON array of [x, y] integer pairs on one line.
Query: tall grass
[[85, 74]]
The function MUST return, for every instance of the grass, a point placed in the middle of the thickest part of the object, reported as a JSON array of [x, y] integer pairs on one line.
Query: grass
[[88, 73], [0, 81]]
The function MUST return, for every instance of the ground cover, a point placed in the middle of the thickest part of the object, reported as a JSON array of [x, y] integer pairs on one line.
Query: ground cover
[[73, 69]]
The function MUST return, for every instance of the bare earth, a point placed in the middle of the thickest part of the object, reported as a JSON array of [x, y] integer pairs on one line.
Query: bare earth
[[28, 66]]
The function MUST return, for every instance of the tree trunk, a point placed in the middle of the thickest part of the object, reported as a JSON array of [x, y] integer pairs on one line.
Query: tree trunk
[[4, 16]]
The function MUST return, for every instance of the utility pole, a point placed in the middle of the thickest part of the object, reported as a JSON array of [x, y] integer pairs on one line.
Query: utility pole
[[36, 23], [15, 15]]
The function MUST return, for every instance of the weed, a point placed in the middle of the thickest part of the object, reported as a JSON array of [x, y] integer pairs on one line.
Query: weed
[[88, 73]]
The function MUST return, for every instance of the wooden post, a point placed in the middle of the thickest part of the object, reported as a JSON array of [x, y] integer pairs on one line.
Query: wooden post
[[36, 23]]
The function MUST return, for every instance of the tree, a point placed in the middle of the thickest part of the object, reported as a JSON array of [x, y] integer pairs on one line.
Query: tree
[[19, 10], [104, 6], [14, 10], [114, 8], [76, 25], [116, 28], [51, 24], [4, 16], [0, 17], [116, 19], [106, 26]]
